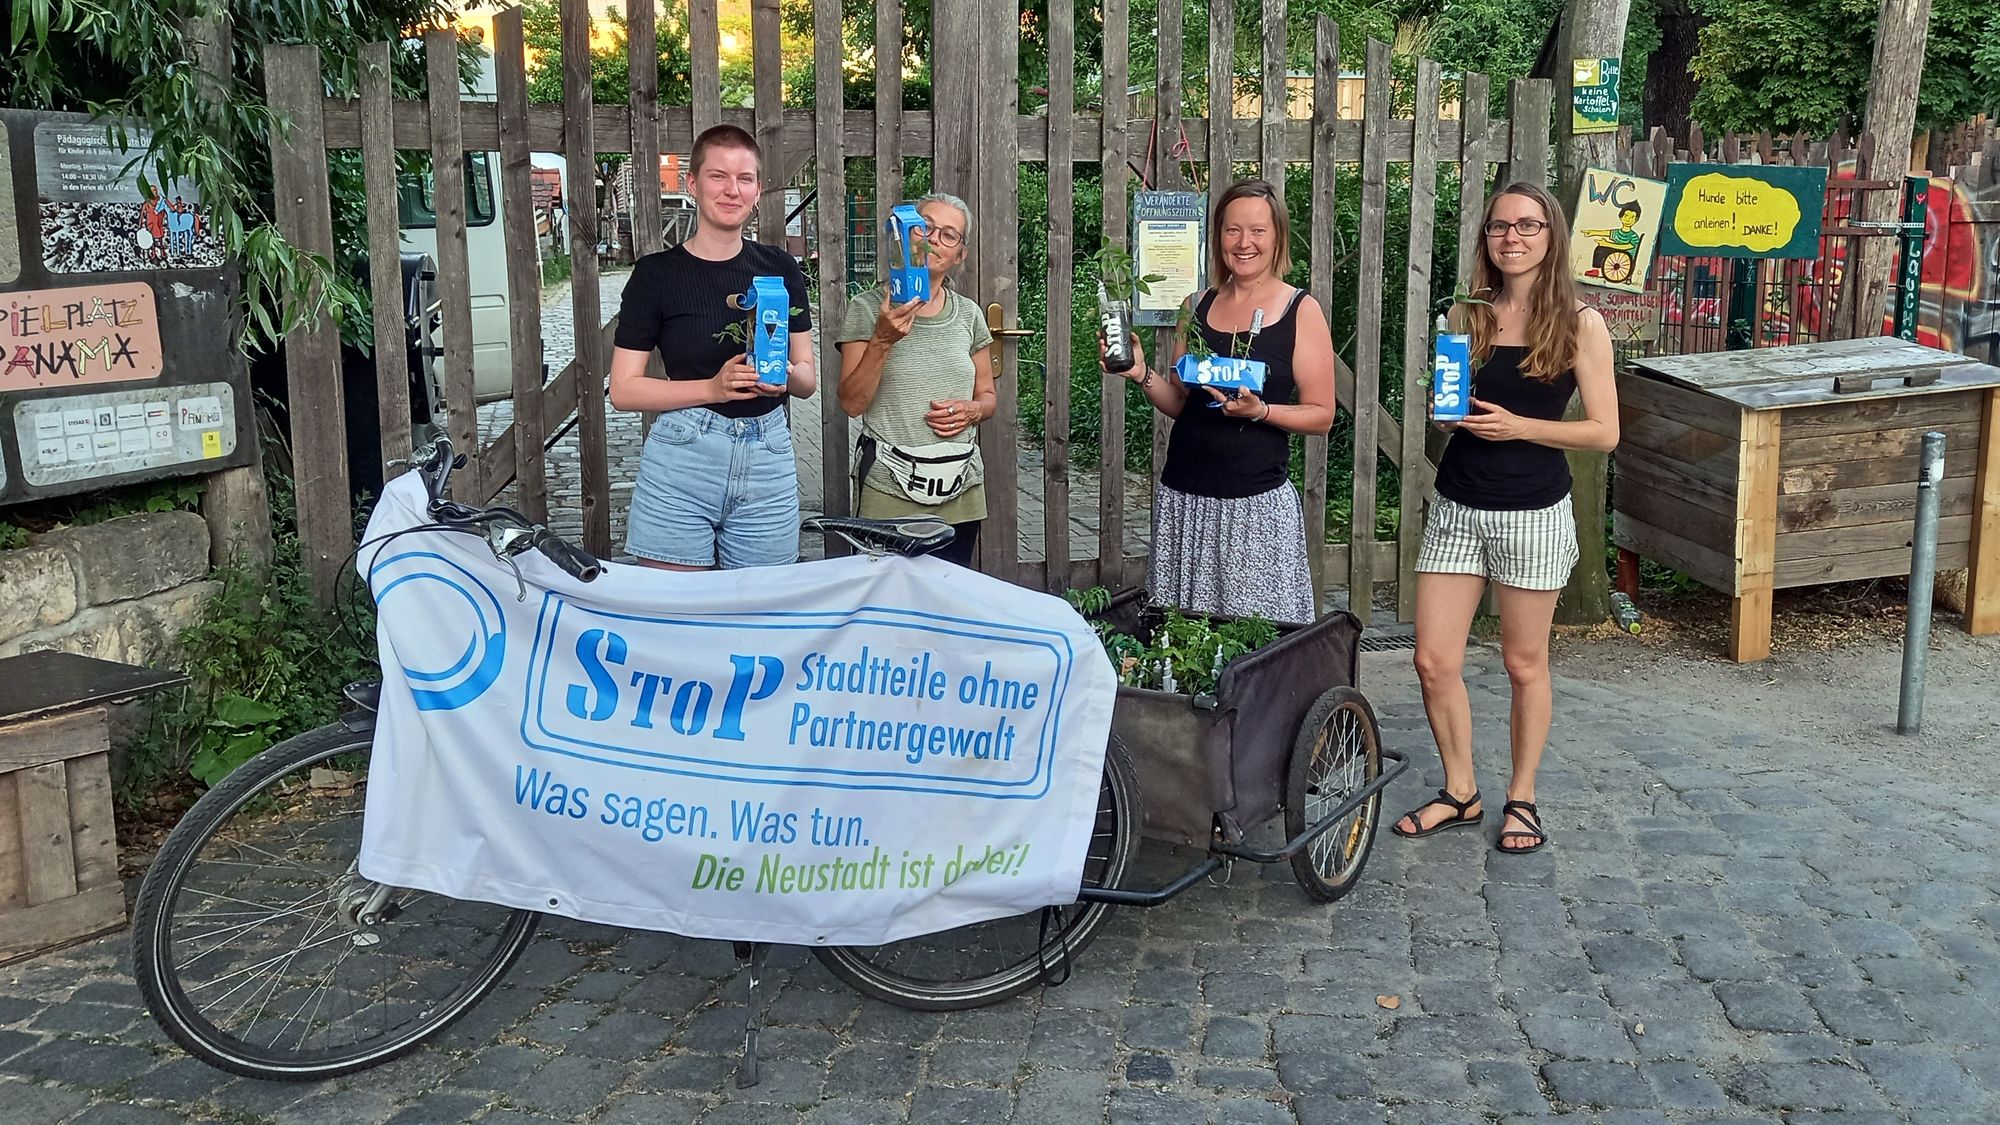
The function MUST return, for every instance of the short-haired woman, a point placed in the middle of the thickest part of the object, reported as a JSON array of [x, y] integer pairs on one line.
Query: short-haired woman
[[1501, 513], [920, 377], [1229, 529]]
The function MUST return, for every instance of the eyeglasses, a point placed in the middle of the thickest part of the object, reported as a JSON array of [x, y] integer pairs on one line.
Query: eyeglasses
[[944, 236], [1526, 228]]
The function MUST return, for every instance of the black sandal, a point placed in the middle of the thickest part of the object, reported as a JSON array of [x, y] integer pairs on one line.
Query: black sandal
[[1444, 798], [1525, 813]]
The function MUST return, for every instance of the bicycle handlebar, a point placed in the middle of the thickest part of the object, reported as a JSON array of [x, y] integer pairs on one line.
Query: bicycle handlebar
[[436, 465]]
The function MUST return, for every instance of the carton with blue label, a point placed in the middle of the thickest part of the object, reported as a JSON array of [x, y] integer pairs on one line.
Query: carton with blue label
[[1224, 373], [1451, 375], [909, 270], [770, 329]]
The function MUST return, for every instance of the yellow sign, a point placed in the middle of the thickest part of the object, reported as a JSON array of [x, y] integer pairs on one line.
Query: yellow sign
[[1744, 211], [1594, 95], [211, 443]]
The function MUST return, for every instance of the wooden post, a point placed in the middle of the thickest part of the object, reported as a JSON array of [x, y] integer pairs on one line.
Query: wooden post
[[1756, 535], [580, 171], [768, 116], [1901, 30], [524, 271], [829, 119], [1368, 339], [888, 126], [1982, 594], [1111, 388], [312, 353], [704, 66], [1221, 100], [454, 264], [1062, 223], [385, 252], [1416, 467], [643, 64], [997, 163], [1166, 171], [1325, 124], [1277, 101]]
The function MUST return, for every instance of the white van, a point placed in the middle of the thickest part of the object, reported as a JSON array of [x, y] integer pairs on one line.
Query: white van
[[486, 253]]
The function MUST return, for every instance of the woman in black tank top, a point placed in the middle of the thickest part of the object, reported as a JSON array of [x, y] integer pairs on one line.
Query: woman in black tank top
[[1501, 513], [1228, 529]]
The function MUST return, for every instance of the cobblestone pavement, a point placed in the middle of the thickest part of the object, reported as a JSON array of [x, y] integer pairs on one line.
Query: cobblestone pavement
[[1732, 924], [624, 439]]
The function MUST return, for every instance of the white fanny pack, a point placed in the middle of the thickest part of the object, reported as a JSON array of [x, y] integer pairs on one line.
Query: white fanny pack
[[929, 474]]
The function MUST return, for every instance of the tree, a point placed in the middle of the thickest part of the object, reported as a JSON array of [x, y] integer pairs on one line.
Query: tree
[[1669, 84]]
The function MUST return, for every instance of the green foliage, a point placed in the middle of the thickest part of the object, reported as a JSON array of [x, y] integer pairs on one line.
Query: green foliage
[[610, 62], [265, 663], [1185, 653], [1804, 65], [13, 537], [1119, 275], [84, 509], [131, 60]]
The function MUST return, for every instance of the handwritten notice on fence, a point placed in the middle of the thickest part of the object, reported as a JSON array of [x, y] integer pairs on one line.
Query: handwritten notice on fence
[[1743, 210], [54, 338], [1594, 95]]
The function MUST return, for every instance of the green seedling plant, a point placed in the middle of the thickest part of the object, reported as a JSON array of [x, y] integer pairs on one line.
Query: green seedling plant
[[1186, 653], [1118, 275]]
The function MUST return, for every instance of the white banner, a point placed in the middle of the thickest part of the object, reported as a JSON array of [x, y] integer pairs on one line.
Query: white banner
[[845, 752]]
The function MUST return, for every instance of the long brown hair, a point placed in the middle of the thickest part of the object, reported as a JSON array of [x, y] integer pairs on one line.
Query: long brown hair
[[1552, 298], [1281, 228]]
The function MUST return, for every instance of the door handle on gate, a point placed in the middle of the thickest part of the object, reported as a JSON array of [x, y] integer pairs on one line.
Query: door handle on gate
[[996, 319]]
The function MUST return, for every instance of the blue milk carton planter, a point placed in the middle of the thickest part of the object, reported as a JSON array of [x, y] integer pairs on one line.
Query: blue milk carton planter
[[1223, 373], [1451, 376], [908, 280], [770, 329]]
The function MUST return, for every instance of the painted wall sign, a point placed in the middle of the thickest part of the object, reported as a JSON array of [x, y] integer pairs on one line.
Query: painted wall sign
[[1616, 231], [1743, 211], [96, 215], [1594, 95], [1629, 316], [90, 334], [1169, 238]]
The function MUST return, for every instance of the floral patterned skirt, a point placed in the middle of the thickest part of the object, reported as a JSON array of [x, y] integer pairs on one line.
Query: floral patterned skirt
[[1239, 558]]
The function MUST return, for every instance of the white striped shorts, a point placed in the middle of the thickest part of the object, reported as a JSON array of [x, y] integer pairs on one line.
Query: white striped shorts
[[1531, 550]]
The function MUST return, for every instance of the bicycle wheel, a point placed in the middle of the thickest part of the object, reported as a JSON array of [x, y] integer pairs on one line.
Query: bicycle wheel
[[987, 962], [259, 949], [1338, 751]]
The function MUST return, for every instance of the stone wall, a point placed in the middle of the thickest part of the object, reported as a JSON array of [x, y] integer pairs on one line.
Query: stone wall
[[119, 590]]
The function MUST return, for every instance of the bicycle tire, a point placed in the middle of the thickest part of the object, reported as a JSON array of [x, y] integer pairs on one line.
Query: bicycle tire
[[1338, 732], [167, 982], [873, 970]]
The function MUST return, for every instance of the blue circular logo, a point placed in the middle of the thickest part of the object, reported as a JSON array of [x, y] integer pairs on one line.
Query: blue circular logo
[[450, 634]]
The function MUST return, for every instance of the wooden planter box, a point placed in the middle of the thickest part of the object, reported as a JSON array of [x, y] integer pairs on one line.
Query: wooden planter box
[[58, 847], [1750, 472]]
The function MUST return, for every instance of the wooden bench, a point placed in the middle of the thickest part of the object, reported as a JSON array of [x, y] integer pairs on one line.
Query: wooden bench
[[58, 847]]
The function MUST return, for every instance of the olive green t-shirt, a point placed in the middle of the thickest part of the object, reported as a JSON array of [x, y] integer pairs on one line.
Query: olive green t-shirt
[[933, 362]]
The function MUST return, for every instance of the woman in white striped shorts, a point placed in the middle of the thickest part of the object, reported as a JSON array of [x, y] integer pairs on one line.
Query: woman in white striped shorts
[[1501, 512]]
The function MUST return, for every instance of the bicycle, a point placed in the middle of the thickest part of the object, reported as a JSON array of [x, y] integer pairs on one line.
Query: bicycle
[[260, 949]]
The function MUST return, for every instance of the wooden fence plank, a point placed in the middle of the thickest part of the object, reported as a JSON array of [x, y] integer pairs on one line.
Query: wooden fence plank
[[1982, 598], [704, 71], [524, 271], [1368, 330], [888, 121], [1325, 116], [1416, 467], [999, 92], [312, 353], [1472, 164], [580, 168], [454, 264], [1277, 98], [1222, 100], [1166, 172], [1113, 147], [1062, 222], [13, 876], [832, 204], [1528, 130], [643, 63], [767, 76], [93, 840], [385, 272]]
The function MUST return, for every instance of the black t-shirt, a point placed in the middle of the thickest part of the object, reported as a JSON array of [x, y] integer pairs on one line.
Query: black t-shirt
[[1211, 454], [678, 303], [1509, 476]]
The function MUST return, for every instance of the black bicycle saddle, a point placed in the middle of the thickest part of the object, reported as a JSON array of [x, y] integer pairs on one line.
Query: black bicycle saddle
[[910, 537]]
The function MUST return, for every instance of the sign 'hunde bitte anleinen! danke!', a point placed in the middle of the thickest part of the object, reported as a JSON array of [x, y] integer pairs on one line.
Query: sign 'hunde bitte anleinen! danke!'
[[1743, 210], [904, 747]]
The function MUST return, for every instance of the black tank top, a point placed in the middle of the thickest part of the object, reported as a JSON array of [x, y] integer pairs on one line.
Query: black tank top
[[1211, 454], [1508, 476]]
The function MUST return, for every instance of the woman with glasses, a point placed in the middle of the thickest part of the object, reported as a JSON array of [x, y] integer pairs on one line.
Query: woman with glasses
[[1501, 510], [920, 377], [1229, 531]]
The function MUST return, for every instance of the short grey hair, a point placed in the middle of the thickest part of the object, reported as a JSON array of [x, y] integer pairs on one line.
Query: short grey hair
[[952, 201]]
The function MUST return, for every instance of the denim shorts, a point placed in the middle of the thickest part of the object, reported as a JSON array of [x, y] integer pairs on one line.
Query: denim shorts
[[716, 490]]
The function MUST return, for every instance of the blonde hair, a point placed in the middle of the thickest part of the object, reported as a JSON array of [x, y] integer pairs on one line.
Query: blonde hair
[[1552, 299], [1281, 226]]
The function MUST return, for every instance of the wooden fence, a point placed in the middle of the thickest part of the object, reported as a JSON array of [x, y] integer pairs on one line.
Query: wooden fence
[[976, 138]]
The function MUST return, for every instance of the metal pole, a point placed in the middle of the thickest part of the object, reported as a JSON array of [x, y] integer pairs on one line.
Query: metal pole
[[1923, 576]]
